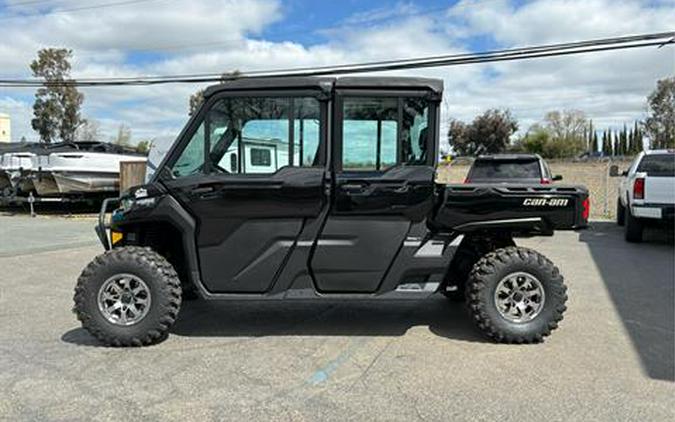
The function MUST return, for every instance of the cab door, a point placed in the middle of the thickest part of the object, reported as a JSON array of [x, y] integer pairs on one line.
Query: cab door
[[251, 173], [383, 182]]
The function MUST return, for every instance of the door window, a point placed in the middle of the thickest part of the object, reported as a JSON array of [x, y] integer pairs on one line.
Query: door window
[[381, 132], [252, 135]]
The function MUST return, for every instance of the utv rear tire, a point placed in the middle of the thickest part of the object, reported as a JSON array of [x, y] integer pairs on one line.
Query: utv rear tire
[[489, 274], [620, 213], [162, 294], [633, 228]]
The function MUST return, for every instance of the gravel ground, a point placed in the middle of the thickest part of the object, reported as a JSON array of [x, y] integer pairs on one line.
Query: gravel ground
[[611, 359]]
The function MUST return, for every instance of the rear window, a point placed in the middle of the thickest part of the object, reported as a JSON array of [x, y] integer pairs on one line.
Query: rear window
[[505, 169], [661, 165]]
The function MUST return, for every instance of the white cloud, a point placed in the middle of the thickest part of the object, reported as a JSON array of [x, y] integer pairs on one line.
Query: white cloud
[[610, 87]]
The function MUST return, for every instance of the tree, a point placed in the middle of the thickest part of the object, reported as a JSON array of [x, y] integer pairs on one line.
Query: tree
[[489, 133], [660, 123], [457, 132], [89, 131], [123, 136], [636, 143], [589, 137], [143, 147], [566, 124], [56, 109], [568, 130], [535, 140], [607, 143], [197, 98]]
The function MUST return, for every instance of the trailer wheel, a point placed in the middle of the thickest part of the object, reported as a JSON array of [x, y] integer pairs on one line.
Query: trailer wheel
[[129, 296], [516, 295]]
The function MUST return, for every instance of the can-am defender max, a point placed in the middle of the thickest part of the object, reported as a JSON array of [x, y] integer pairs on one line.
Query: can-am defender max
[[322, 188]]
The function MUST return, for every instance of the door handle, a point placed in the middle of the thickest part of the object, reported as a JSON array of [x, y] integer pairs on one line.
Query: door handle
[[354, 187], [202, 190]]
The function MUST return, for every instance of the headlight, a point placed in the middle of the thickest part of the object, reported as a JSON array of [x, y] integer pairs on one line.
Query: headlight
[[127, 204]]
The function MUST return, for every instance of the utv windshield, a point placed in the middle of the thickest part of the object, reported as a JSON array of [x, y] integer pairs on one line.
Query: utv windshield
[[252, 135]]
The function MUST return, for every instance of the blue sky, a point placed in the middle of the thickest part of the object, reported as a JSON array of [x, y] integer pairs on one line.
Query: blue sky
[[173, 37]]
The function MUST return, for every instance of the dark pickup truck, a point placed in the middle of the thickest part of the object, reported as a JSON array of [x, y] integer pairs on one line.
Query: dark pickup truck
[[322, 188]]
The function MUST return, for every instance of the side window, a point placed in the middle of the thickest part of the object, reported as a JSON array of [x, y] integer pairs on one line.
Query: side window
[[191, 160], [253, 135], [415, 132], [369, 133], [381, 132], [306, 132]]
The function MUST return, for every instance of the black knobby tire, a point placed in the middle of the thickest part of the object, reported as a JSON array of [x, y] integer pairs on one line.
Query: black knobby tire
[[484, 279], [633, 228], [161, 280], [620, 213]]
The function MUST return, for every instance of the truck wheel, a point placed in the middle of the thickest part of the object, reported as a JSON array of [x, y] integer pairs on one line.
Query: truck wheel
[[633, 228], [516, 295], [620, 213], [128, 296]]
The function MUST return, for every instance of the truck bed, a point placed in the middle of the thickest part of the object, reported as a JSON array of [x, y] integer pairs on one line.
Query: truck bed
[[520, 209]]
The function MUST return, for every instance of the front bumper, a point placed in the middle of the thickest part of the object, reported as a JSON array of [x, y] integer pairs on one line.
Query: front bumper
[[102, 227]]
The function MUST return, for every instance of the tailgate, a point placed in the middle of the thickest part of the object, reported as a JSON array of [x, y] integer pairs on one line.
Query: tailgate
[[659, 190], [470, 207]]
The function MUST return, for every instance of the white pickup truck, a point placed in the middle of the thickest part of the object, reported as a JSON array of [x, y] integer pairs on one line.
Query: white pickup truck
[[646, 193]]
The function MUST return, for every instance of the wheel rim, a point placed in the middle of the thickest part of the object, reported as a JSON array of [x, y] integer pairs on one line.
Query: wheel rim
[[124, 299], [519, 297]]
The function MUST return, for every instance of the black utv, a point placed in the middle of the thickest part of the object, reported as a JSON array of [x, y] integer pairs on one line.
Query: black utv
[[322, 188]]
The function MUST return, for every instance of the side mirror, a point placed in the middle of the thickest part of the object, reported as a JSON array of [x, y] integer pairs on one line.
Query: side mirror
[[557, 178], [624, 173], [613, 170]]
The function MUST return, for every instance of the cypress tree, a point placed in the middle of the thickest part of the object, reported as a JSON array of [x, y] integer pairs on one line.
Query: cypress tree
[[589, 138], [637, 147]]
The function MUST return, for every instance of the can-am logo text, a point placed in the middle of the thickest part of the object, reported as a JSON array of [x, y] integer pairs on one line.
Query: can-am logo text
[[545, 202]]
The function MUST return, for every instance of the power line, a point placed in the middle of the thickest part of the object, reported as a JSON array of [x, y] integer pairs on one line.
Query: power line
[[75, 9], [523, 53], [530, 49]]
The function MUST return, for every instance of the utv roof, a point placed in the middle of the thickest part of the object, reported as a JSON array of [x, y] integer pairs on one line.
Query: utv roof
[[327, 84]]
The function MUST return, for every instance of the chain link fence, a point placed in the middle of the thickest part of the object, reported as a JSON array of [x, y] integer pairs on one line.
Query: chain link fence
[[594, 174]]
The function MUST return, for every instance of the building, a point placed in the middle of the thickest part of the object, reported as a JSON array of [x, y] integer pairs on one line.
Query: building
[[5, 128]]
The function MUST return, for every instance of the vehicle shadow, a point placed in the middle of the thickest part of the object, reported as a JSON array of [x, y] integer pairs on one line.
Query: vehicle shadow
[[640, 279], [202, 318], [322, 318]]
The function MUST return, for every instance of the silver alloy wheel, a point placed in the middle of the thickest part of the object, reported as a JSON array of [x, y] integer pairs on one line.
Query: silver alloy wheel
[[124, 299], [519, 297]]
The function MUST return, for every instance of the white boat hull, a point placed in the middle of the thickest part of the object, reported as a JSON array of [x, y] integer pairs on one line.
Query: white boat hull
[[73, 182], [45, 185]]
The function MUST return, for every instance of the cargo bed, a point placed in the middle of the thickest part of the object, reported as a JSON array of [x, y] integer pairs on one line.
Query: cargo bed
[[522, 209]]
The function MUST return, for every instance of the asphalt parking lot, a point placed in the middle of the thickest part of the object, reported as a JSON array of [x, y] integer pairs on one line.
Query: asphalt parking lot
[[611, 359]]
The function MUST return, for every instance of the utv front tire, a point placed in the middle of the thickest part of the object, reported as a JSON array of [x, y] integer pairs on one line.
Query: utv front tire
[[128, 296], [516, 295]]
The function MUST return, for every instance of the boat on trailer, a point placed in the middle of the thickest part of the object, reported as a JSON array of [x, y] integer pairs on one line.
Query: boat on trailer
[[63, 169], [82, 168], [16, 165]]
